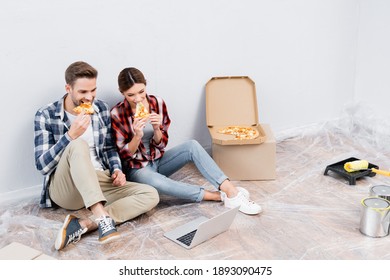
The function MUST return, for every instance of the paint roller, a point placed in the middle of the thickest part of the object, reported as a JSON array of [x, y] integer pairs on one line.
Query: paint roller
[[360, 165]]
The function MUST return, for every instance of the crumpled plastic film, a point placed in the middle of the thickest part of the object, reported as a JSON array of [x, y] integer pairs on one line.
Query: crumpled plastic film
[[306, 215]]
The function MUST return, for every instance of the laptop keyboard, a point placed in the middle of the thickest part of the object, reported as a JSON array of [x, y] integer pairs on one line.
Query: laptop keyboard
[[187, 238]]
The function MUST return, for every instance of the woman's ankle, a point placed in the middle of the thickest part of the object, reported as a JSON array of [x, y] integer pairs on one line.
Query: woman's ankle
[[228, 188], [212, 196]]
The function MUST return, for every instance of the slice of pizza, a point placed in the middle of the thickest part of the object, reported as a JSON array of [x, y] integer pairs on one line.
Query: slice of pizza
[[140, 111], [86, 107]]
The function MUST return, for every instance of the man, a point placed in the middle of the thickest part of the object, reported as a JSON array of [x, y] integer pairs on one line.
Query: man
[[80, 164]]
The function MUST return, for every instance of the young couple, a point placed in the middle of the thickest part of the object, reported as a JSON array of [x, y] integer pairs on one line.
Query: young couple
[[81, 156]]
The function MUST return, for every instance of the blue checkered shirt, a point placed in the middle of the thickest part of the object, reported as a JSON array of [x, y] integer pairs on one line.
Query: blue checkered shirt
[[51, 138]]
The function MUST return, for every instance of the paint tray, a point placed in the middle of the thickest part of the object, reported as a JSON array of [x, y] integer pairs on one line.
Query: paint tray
[[338, 168]]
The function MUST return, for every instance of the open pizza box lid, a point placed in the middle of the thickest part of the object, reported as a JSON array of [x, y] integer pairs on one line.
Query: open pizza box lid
[[231, 101]]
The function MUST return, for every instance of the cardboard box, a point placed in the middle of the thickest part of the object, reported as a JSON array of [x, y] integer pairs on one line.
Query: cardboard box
[[232, 101], [18, 251], [248, 162]]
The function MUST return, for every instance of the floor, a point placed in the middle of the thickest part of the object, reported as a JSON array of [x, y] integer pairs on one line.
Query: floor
[[306, 215]]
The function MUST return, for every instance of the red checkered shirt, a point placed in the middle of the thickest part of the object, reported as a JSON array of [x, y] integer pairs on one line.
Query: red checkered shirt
[[123, 132]]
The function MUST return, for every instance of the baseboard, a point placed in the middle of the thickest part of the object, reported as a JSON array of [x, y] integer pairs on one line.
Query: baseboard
[[22, 194]]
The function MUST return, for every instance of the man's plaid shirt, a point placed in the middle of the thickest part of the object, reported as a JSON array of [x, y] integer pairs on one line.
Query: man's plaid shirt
[[51, 138]]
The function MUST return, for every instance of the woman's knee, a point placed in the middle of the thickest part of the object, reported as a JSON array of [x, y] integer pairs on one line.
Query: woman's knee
[[193, 145]]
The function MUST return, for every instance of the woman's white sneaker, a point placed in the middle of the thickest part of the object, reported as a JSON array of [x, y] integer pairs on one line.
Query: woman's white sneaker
[[244, 192], [246, 206]]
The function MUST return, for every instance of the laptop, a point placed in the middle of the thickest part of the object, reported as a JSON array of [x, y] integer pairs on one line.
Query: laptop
[[201, 229]]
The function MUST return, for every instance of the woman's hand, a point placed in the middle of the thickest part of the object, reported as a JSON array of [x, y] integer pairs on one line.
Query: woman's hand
[[138, 126], [155, 120]]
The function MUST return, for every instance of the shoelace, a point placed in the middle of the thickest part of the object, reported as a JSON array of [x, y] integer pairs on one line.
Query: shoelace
[[105, 224], [245, 200], [75, 237]]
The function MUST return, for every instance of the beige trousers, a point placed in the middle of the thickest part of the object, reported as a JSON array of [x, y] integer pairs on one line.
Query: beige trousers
[[76, 184]]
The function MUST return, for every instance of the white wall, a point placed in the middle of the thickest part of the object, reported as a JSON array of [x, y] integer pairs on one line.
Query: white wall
[[300, 53], [373, 60]]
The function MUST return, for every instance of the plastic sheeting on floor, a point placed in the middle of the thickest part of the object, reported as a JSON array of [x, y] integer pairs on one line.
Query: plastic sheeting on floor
[[306, 215]]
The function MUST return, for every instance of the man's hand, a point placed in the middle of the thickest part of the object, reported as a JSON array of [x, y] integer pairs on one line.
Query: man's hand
[[79, 126], [119, 179]]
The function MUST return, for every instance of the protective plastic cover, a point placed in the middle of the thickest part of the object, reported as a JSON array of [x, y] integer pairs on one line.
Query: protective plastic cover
[[306, 215]]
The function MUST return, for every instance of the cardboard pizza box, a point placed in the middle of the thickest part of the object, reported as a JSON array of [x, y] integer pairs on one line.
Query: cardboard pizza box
[[232, 101], [248, 162]]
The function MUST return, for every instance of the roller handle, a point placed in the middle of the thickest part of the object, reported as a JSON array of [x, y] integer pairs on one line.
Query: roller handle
[[381, 172]]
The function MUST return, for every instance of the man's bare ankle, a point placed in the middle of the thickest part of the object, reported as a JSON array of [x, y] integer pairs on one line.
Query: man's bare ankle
[[87, 223]]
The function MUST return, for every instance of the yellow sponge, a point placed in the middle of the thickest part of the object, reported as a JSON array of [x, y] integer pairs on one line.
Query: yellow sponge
[[356, 165]]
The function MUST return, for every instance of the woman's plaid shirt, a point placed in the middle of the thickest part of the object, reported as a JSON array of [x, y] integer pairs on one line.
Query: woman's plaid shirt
[[122, 125]]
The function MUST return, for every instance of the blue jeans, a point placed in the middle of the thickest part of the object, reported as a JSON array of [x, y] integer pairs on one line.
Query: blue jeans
[[156, 173]]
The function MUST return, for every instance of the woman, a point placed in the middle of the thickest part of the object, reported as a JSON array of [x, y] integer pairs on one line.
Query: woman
[[141, 143]]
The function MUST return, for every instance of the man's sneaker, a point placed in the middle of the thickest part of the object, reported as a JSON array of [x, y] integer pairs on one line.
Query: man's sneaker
[[244, 192], [246, 206], [70, 232], [107, 229]]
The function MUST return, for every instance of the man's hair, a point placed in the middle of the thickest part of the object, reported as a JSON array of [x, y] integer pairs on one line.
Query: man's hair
[[128, 77], [77, 70]]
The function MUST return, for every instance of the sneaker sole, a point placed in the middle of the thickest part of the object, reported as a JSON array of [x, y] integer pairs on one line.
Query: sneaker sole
[[248, 213], [109, 238], [61, 236], [251, 213]]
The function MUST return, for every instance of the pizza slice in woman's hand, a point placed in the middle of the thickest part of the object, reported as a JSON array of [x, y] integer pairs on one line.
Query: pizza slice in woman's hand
[[140, 111]]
